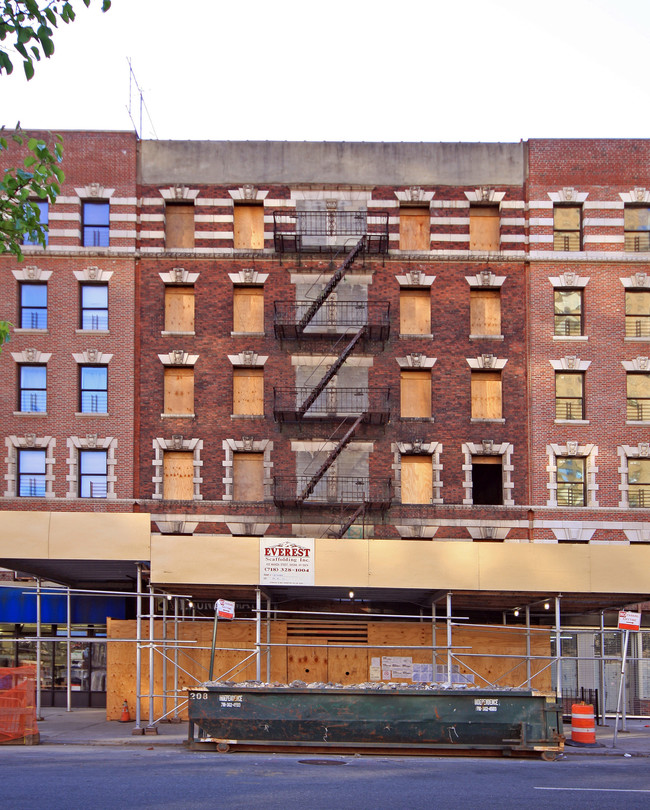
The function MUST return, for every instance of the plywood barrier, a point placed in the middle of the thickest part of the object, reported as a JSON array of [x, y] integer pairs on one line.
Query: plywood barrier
[[391, 652]]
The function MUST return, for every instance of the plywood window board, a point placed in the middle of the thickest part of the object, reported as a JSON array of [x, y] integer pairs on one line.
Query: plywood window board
[[414, 228], [484, 227], [485, 312], [248, 309], [179, 225], [248, 227], [415, 312], [486, 395], [416, 479], [179, 309], [178, 475], [248, 476], [179, 390], [248, 391], [415, 394]]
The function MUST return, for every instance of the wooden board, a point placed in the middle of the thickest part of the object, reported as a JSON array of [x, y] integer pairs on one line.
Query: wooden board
[[415, 228], [249, 227], [484, 227], [179, 309], [305, 663], [415, 312], [248, 391], [179, 225], [416, 479], [347, 665], [178, 475], [486, 395], [415, 393], [248, 309], [485, 312], [248, 476], [179, 390]]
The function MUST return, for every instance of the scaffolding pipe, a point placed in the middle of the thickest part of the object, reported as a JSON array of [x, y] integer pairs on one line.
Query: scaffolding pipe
[[175, 658], [449, 655], [528, 667], [164, 653], [558, 649], [138, 650], [433, 638], [258, 634], [268, 640], [38, 649], [603, 688], [68, 653], [621, 686], [151, 728]]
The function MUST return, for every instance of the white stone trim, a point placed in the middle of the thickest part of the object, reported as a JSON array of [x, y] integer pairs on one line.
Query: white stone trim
[[246, 445], [94, 191], [485, 194], [485, 278], [92, 357], [31, 273], [486, 362], [415, 448], [416, 360], [415, 278], [488, 532], [31, 356], [638, 364], [179, 275], [178, 357], [570, 363], [29, 442], [489, 448], [636, 195], [413, 195], [416, 531], [326, 446], [248, 277], [640, 280], [246, 528], [573, 532], [93, 274], [247, 193], [179, 193], [176, 443], [328, 360], [248, 358], [568, 195], [569, 279], [176, 526], [91, 442]]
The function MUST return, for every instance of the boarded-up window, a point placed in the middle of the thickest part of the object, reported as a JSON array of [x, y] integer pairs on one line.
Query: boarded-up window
[[415, 312], [248, 476], [179, 390], [484, 227], [487, 480], [179, 309], [249, 227], [248, 309], [485, 312], [486, 395], [179, 225], [414, 228], [417, 479], [415, 390], [248, 391], [567, 220], [178, 476]]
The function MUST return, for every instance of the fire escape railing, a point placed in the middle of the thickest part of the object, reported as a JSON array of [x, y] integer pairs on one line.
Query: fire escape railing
[[339, 491], [334, 403], [319, 230]]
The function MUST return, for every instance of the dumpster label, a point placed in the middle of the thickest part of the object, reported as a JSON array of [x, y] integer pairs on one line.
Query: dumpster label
[[287, 562], [231, 701], [486, 704]]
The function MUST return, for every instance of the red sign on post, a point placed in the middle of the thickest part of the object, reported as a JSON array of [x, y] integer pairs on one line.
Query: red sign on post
[[629, 620], [224, 609]]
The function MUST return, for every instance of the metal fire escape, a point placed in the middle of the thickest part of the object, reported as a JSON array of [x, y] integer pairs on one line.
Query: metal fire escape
[[356, 493]]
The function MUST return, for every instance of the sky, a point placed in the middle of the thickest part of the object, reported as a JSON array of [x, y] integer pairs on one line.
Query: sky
[[345, 70]]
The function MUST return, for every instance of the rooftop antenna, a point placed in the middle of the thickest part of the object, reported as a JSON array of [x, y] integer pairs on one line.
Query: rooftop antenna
[[143, 106]]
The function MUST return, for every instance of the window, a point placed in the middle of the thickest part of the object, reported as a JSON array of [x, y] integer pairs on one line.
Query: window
[[178, 476], [638, 476], [485, 312], [571, 481], [31, 473], [484, 227], [94, 307], [42, 206], [415, 394], [637, 313], [487, 480], [414, 228], [33, 306], [637, 228], [248, 309], [33, 389], [569, 395], [92, 474], [567, 227], [414, 312], [179, 309], [95, 224], [248, 391], [93, 389], [486, 395], [568, 312], [179, 390], [249, 227], [179, 225], [638, 397], [416, 479], [248, 476]]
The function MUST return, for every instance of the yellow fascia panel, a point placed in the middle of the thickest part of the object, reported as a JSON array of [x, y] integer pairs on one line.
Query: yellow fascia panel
[[418, 564], [528, 567], [341, 562], [620, 569], [24, 535], [208, 559], [99, 536]]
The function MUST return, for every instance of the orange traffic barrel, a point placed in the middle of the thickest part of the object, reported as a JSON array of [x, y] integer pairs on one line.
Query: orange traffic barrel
[[583, 725]]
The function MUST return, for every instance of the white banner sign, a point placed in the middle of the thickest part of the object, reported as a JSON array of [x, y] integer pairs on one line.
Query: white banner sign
[[286, 562], [629, 620]]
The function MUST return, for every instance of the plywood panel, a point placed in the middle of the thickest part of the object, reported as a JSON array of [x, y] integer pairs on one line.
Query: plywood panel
[[179, 390], [415, 393], [416, 479], [179, 225], [178, 476], [484, 228], [306, 663], [486, 395], [414, 228], [485, 312], [248, 391], [248, 309], [415, 312], [179, 309], [249, 227], [248, 475], [347, 665]]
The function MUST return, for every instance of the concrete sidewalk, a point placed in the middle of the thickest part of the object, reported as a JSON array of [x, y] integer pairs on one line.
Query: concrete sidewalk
[[90, 727]]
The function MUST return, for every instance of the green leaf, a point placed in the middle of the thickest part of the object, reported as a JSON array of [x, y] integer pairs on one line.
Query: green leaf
[[29, 69]]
